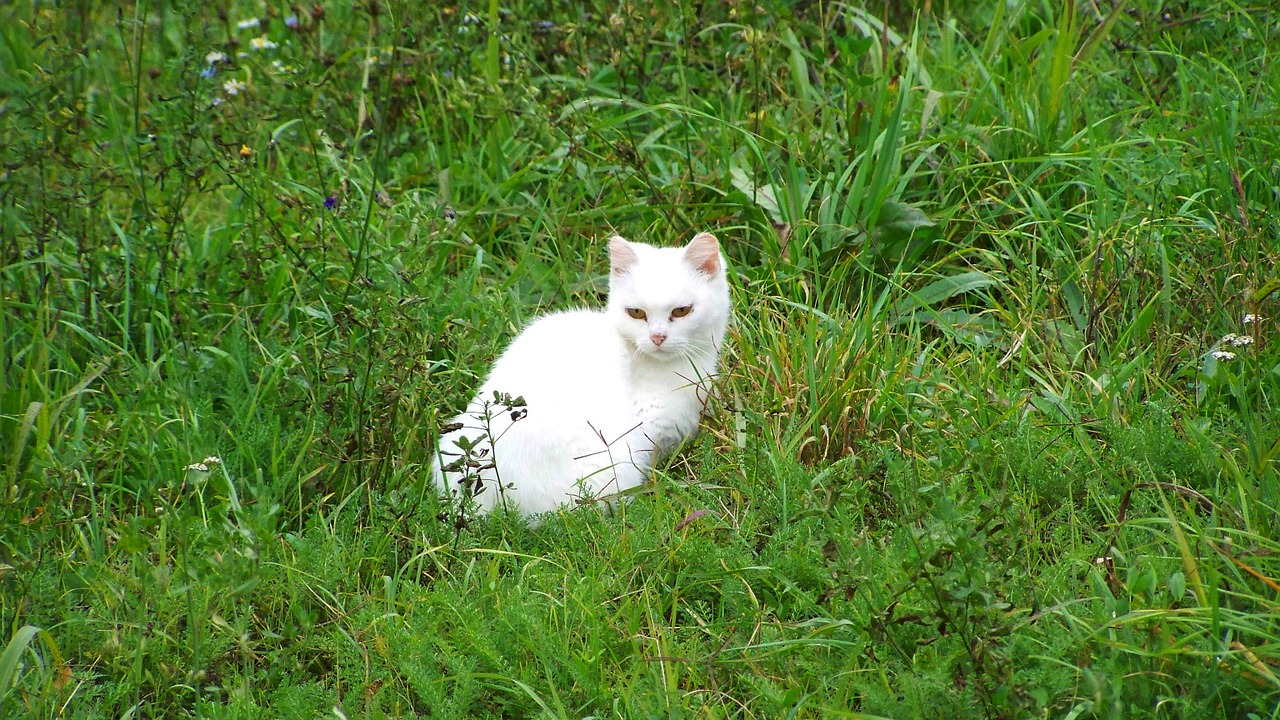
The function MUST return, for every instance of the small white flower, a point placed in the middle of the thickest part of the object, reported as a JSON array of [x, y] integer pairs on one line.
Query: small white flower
[[250, 23], [215, 57], [233, 87], [213, 460], [1235, 340], [198, 467], [216, 101], [371, 60], [1250, 319], [1223, 356], [262, 43]]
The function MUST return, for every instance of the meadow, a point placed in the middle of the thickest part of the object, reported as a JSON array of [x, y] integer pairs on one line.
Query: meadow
[[996, 437]]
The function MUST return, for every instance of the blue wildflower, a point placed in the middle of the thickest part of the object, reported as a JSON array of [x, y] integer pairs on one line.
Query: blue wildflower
[[208, 72], [291, 22]]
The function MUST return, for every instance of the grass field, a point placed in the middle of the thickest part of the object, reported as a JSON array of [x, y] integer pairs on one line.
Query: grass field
[[997, 436]]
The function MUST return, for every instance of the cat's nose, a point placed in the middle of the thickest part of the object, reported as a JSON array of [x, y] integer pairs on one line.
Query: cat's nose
[[658, 338]]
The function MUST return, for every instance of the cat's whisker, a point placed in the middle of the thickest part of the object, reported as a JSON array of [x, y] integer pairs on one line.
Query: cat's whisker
[[697, 353]]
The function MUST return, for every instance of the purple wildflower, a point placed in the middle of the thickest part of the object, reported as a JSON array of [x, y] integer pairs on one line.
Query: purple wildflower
[[291, 22], [331, 202]]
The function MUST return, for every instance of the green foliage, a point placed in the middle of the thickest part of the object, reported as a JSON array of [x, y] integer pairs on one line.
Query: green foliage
[[995, 437]]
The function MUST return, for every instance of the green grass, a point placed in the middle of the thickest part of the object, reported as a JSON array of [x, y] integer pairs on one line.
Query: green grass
[[974, 456]]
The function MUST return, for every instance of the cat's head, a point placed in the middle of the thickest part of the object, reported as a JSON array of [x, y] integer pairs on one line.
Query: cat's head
[[669, 303]]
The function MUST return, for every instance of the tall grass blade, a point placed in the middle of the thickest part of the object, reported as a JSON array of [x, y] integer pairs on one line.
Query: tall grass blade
[[11, 660]]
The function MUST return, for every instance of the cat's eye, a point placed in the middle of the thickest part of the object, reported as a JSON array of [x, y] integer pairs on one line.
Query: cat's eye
[[636, 313], [681, 311]]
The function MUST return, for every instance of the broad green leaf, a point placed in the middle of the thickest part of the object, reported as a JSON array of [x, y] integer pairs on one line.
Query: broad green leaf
[[1266, 290], [901, 221], [762, 195], [1075, 303], [940, 290], [9, 661]]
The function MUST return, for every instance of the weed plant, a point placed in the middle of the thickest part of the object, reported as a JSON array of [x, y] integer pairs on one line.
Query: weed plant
[[997, 431]]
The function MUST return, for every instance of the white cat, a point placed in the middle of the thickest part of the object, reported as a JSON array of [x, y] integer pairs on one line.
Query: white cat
[[604, 391]]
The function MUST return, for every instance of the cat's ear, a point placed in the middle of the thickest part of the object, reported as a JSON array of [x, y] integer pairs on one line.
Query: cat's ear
[[703, 253], [621, 255]]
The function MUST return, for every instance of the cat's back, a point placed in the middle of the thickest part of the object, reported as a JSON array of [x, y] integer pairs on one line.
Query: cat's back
[[559, 356]]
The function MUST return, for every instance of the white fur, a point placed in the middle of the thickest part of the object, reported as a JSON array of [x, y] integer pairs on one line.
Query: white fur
[[603, 399]]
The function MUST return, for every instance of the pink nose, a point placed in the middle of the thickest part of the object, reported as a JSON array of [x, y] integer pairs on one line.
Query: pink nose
[[658, 338]]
